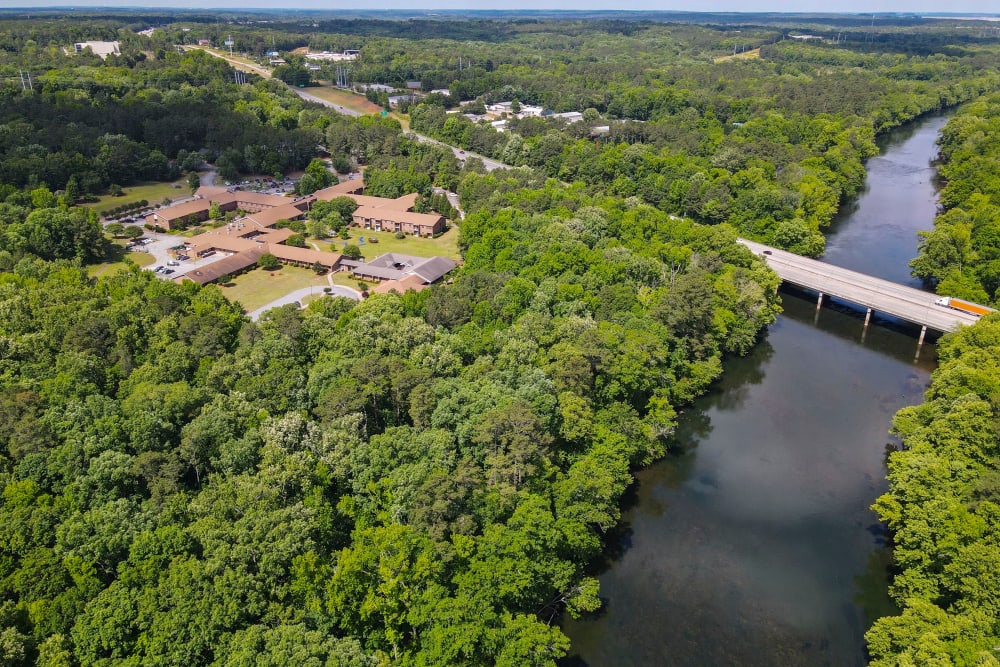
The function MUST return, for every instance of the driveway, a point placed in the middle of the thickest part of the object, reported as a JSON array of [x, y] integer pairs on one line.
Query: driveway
[[297, 295]]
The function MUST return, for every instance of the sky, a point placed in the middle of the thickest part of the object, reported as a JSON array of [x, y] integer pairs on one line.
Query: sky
[[852, 6]]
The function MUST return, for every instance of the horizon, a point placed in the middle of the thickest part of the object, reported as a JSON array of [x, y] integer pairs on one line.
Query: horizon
[[927, 8]]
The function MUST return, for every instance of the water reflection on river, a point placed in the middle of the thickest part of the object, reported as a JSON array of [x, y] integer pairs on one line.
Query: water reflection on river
[[754, 544]]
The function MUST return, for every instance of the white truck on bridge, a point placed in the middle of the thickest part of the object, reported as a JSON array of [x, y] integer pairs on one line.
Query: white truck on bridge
[[964, 306]]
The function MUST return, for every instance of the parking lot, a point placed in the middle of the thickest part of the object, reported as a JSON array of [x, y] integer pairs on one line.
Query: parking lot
[[159, 245]]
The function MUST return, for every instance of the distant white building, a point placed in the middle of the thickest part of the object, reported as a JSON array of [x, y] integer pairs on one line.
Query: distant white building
[[442, 91], [377, 87], [102, 49], [350, 54], [569, 116]]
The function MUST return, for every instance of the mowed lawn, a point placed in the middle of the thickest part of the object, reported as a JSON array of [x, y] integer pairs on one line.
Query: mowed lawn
[[259, 287], [445, 245], [345, 99], [115, 260], [151, 192]]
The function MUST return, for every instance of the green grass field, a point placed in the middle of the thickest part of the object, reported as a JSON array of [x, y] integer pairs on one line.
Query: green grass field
[[116, 258], [259, 287], [445, 245], [345, 99], [151, 192]]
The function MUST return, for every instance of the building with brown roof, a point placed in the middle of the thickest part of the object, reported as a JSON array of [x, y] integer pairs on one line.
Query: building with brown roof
[[226, 266], [401, 286], [394, 266], [179, 215], [382, 219]]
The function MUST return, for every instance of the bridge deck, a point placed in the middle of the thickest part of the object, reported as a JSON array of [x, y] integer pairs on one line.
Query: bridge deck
[[882, 296]]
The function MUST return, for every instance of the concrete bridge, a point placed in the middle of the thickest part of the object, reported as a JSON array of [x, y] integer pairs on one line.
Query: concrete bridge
[[874, 294]]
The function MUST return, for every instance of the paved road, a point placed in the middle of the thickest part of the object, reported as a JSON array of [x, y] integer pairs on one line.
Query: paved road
[[463, 155], [297, 295], [208, 177], [488, 163], [883, 296]]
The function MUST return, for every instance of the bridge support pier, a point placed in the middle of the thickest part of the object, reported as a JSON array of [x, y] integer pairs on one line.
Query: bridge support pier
[[819, 301], [923, 332], [868, 317]]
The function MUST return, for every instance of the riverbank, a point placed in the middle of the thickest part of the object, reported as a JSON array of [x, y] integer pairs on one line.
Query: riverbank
[[754, 543]]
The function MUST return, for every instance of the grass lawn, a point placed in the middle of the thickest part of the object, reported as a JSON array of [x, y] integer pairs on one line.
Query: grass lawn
[[259, 287], [746, 55], [151, 192], [114, 261], [345, 279], [403, 118], [344, 98], [242, 63], [445, 245]]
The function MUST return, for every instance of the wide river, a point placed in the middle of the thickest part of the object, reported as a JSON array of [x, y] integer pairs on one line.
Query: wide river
[[754, 542]]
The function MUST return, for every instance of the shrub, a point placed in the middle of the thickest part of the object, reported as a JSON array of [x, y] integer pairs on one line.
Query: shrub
[[268, 262]]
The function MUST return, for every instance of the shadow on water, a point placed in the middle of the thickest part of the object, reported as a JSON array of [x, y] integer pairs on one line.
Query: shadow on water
[[753, 542], [845, 320]]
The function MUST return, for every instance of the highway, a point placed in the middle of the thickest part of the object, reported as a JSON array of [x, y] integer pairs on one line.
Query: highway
[[882, 296], [488, 163]]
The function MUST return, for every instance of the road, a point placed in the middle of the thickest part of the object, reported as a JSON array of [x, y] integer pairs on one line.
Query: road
[[462, 155], [299, 294], [882, 296], [489, 163]]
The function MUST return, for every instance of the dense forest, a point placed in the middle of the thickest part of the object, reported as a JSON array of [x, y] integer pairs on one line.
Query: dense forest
[[428, 479], [943, 507], [961, 255], [411, 480]]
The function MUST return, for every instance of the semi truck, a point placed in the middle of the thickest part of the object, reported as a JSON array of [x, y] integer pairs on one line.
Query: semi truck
[[964, 306]]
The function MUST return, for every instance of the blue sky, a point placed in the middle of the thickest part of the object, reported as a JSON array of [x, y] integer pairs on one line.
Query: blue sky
[[863, 6]]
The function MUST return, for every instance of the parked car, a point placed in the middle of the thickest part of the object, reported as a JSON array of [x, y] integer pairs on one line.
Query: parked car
[[158, 269], [167, 272], [173, 263]]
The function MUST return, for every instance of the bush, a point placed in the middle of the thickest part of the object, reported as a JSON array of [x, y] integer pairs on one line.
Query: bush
[[268, 262], [400, 235]]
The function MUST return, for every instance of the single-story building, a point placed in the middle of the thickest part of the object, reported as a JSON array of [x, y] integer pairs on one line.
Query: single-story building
[[396, 267], [227, 266], [178, 215], [101, 49]]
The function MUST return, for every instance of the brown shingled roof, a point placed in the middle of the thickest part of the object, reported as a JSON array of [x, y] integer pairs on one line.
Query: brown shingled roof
[[182, 210], [269, 216], [348, 187], [212, 272], [429, 219]]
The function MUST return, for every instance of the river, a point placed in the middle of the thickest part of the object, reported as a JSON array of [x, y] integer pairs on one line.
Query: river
[[753, 543]]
